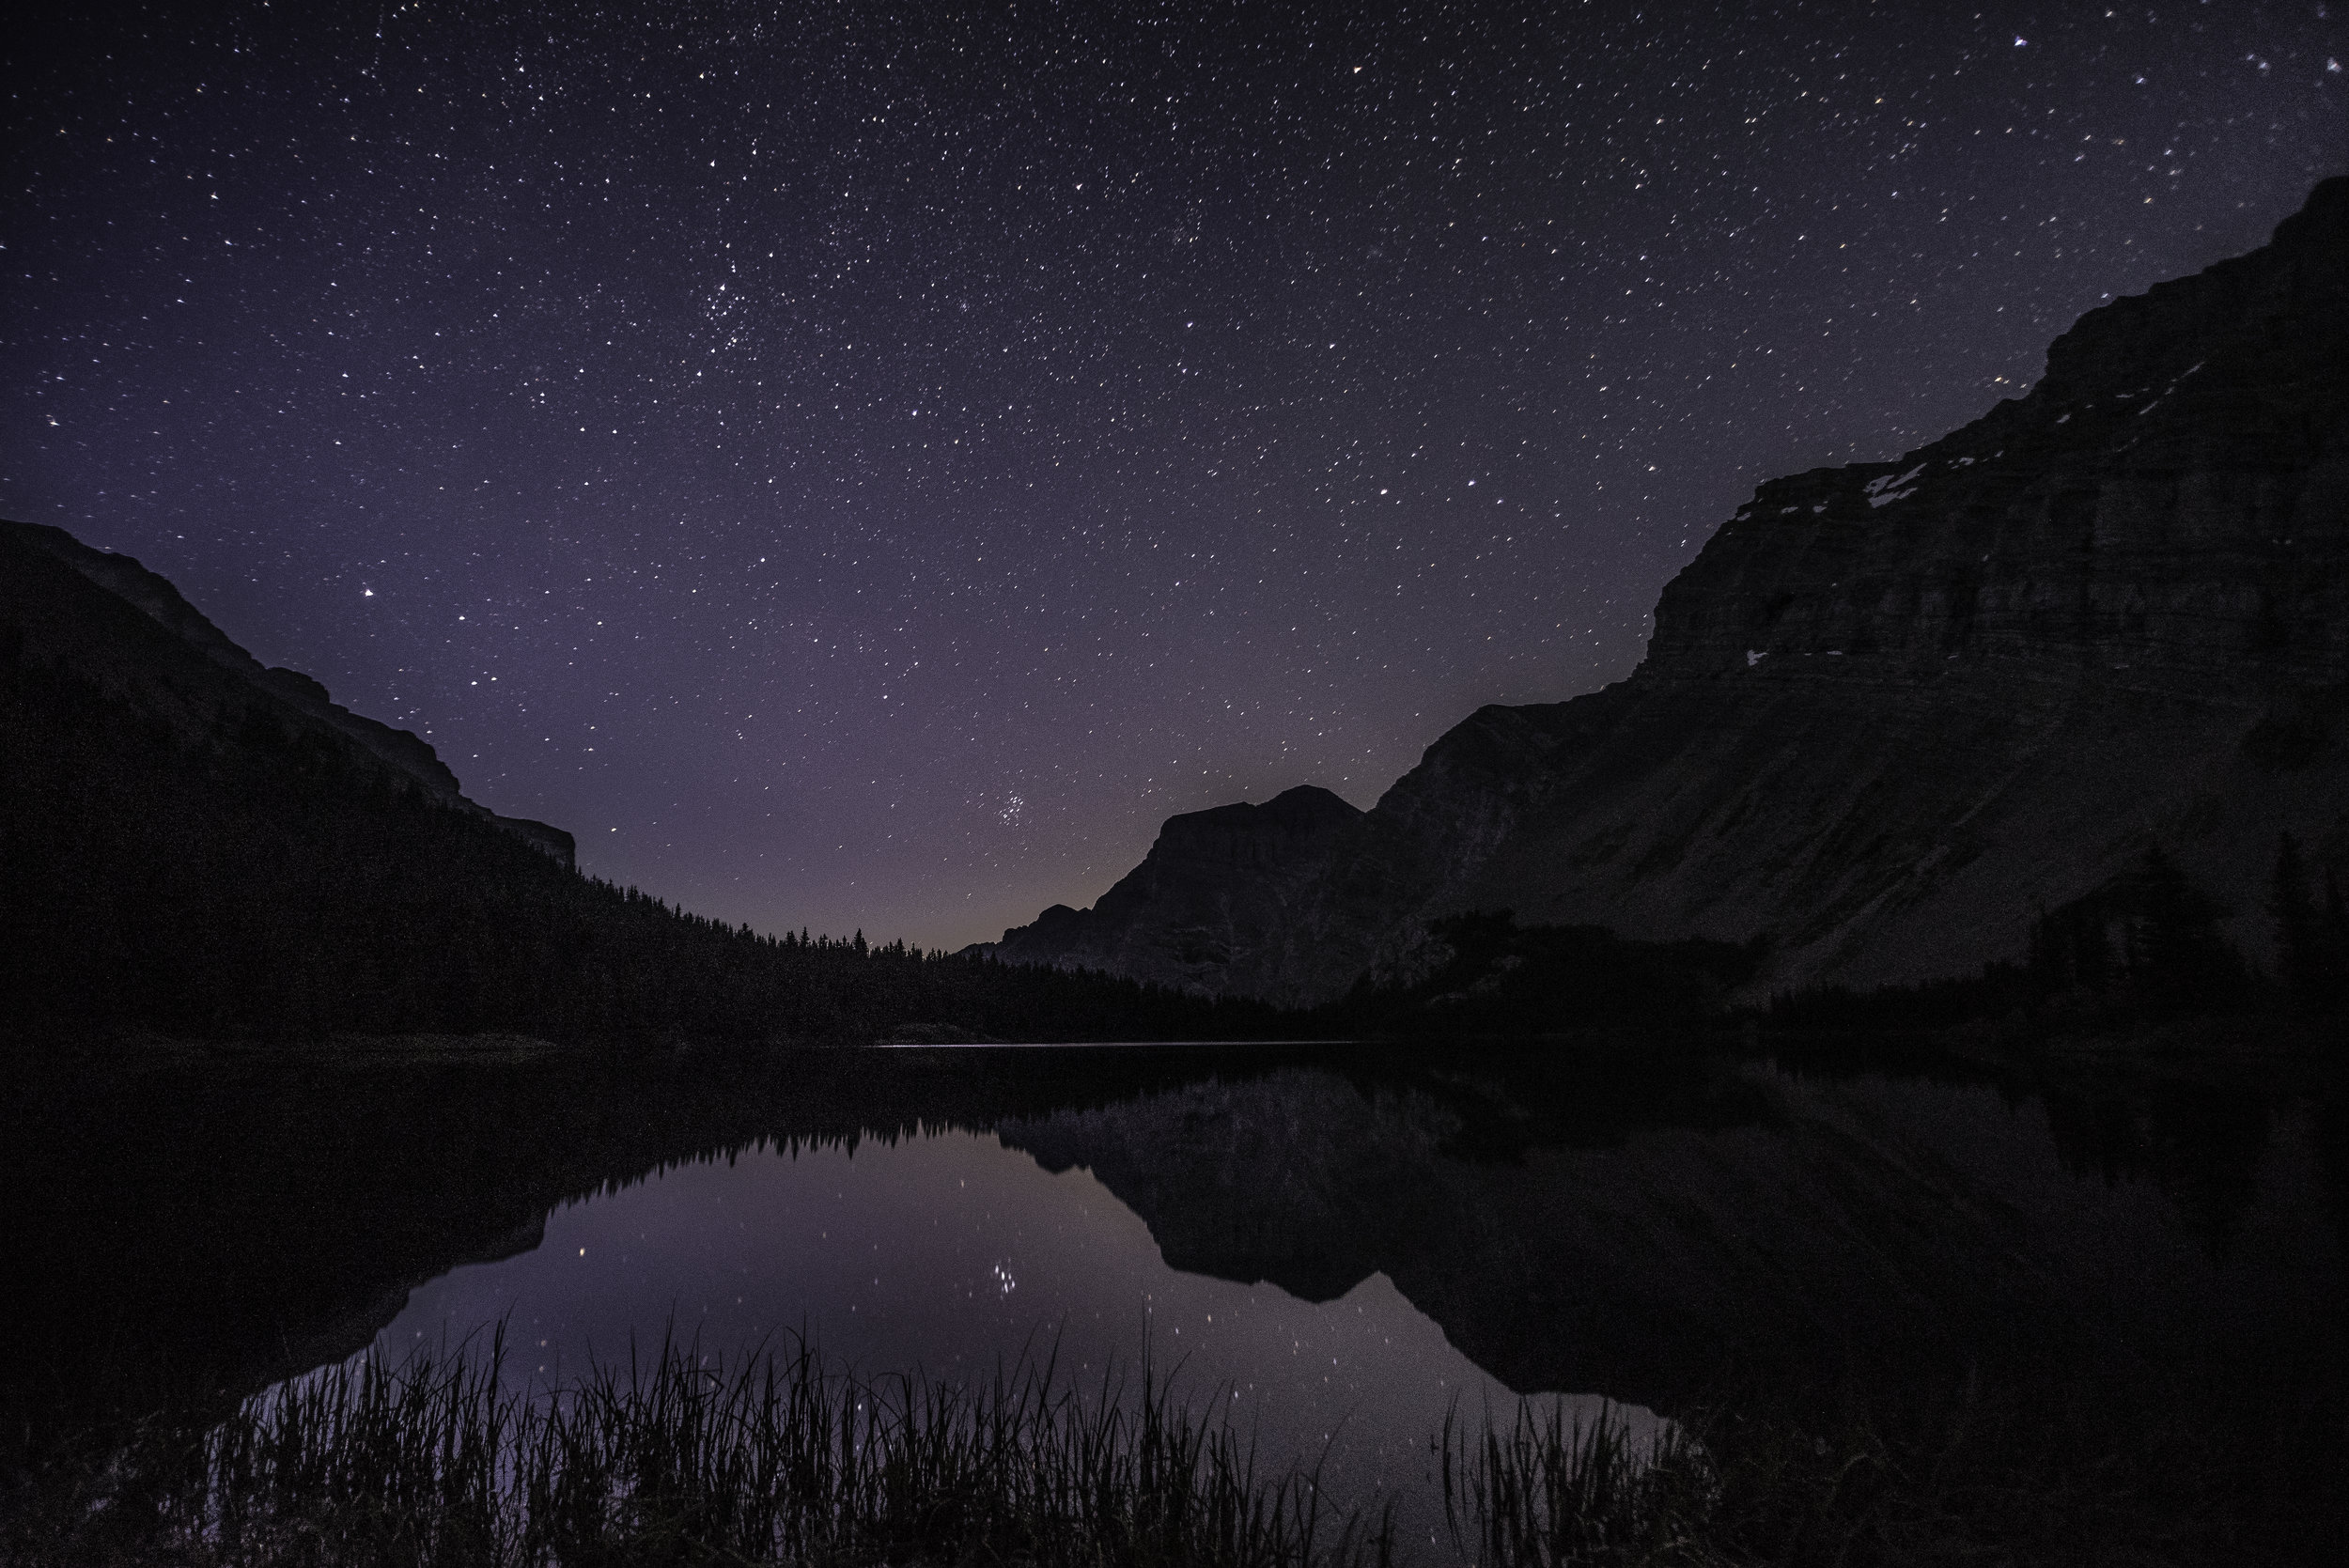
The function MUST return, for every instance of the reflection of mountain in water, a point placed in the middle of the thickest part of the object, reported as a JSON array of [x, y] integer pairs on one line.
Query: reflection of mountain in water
[[214, 1219], [1775, 1224], [1627, 1223]]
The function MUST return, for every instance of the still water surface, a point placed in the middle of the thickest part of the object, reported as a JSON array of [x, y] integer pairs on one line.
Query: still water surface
[[1334, 1246], [950, 1254], [1338, 1257]]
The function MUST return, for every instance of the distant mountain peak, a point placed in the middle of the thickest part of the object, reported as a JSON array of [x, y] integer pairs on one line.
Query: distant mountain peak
[[1892, 707], [1204, 898]]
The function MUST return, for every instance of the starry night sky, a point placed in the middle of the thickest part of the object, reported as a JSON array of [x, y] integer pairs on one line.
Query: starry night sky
[[861, 466]]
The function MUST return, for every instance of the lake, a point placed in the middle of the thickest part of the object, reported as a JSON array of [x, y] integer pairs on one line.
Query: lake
[[1336, 1246]]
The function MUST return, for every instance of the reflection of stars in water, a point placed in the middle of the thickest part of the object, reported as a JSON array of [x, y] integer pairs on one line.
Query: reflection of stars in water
[[743, 1255]]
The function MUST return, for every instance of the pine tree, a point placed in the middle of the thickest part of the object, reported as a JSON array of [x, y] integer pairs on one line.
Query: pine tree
[[2092, 948], [2178, 963], [2299, 958], [2045, 955], [2330, 989]]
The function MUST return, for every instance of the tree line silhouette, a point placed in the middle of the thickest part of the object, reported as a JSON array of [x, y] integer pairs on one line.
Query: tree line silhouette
[[182, 852], [1483, 974], [2147, 948], [247, 875]]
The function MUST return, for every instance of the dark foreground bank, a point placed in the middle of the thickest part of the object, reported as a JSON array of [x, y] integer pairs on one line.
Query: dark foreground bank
[[2064, 1310], [680, 1460], [683, 1459]]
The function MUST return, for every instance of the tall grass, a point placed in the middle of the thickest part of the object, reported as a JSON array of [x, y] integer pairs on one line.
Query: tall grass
[[436, 1462], [669, 1460], [1546, 1491], [2026, 1476]]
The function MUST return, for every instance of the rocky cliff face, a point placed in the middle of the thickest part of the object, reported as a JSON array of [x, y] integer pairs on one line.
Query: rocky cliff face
[[300, 699], [1209, 903], [1892, 708]]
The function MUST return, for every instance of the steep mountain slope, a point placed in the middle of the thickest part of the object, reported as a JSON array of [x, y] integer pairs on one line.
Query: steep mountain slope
[[299, 699], [193, 845], [1893, 708]]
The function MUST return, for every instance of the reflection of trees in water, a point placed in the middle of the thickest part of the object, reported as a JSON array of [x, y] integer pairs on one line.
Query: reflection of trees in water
[[1501, 1103], [222, 1220], [1811, 1225], [2201, 1142], [2332, 1148], [217, 1222]]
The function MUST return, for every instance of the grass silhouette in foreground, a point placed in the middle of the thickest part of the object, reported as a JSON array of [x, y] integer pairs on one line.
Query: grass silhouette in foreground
[[769, 1459], [2060, 1477], [677, 1460]]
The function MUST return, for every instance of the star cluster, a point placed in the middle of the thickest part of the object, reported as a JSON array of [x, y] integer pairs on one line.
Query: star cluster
[[859, 466]]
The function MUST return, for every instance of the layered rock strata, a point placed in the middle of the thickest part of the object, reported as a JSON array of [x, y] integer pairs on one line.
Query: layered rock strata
[[1891, 709]]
